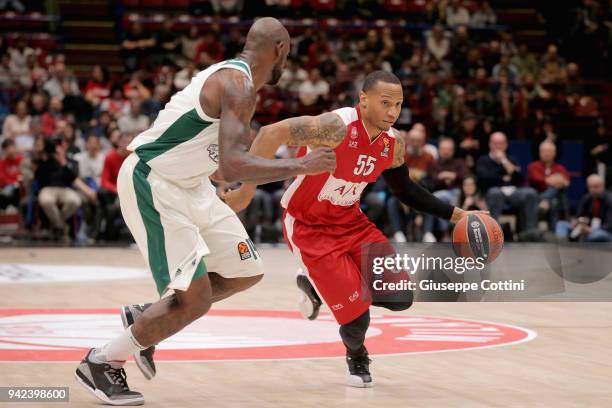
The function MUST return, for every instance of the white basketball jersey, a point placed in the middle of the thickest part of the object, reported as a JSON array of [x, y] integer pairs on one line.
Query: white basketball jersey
[[182, 145]]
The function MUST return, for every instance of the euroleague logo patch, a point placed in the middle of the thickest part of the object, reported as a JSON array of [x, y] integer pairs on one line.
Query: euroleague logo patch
[[67, 334], [244, 251]]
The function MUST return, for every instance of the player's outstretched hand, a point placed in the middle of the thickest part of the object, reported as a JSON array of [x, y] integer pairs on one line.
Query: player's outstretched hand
[[320, 160]]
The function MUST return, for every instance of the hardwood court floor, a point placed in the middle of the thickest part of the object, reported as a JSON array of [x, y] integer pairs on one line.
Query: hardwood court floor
[[568, 364]]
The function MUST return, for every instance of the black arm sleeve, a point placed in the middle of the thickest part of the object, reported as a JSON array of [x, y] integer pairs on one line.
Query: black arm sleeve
[[413, 195]]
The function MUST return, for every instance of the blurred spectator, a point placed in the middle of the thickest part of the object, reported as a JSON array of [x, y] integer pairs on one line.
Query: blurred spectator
[[57, 75], [438, 44], [507, 45], [19, 54], [456, 14], [50, 117], [233, 44], [445, 179], [10, 175], [594, 222], [470, 198], [107, 194], [227, 7], [313, 89], [137, 45], [419, 162], [506, 66], [134, 121], [152, 106], [189, 43], [501, 180], [484, 16], [91, 161], [167, 43], [524, 61], [75, 107], [6, 76], [67, 132], [209, 50], [98, 87], [55, 174], [599, 153], [550, 180], [293, 76], [116, 104], [17, 127], [183, 77]]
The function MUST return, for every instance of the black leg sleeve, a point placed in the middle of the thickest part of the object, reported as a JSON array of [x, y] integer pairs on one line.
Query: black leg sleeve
[[353, 333]]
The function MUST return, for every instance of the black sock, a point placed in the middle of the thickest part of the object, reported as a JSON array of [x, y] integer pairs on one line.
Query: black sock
[[353, 334]]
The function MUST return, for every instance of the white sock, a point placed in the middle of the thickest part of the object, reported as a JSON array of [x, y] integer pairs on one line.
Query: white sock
[[118, 350]]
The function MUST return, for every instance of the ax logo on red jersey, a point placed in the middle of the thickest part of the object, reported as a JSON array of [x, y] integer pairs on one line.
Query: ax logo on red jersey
[[341, 192]]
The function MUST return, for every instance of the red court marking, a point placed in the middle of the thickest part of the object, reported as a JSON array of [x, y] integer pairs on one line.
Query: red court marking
[[23, 332]]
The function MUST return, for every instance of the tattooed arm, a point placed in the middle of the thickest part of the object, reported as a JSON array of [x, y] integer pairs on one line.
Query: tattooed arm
[[324, 131], [235, 163]]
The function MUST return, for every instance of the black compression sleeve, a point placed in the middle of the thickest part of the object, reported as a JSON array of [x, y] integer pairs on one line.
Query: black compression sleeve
[[413, 195]]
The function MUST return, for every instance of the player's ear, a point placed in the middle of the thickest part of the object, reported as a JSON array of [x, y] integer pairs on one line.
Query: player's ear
[[363, 99]]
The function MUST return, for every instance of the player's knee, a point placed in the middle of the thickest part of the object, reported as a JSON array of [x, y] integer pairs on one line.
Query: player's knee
[[397, 302]]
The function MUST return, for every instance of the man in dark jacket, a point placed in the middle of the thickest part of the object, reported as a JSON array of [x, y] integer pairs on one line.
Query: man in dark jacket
[[55, 174], [501, 180]]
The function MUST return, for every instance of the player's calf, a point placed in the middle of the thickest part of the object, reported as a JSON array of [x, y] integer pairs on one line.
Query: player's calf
[[143, 358]]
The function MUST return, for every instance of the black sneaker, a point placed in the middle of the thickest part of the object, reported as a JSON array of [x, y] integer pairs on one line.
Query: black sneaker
[[143, 358], [105, 382], [359, 369], [310, 303]]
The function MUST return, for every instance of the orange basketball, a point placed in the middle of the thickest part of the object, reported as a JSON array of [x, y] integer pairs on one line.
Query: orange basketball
[[478, 236]]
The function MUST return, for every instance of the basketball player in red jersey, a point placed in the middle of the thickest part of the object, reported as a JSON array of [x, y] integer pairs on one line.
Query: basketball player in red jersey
[[323, 223]]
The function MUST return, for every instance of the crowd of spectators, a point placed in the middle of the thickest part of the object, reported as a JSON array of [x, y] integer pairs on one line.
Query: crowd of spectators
[[64, 138]]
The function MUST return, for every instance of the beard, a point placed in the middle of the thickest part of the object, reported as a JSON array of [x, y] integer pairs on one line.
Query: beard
[[277, 72]]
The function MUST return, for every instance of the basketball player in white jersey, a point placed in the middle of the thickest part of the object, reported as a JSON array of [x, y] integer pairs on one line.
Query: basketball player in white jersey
[[194, 244]]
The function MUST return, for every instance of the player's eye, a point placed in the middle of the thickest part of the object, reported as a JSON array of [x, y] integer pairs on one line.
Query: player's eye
[[385, 103]]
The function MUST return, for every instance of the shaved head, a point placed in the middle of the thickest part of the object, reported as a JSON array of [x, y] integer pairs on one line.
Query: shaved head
[[268, 38]]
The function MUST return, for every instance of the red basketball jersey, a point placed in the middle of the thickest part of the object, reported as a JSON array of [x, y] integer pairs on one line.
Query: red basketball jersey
[[333, 199]]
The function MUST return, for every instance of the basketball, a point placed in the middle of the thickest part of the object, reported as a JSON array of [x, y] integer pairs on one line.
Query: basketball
[[478, 236]]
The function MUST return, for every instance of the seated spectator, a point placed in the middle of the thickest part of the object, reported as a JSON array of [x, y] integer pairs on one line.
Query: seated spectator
[[209, 51], [189, 43], [167, 43], [470, 198], [134, 121], [456, 14], [98, 87], [10, 174], [550, 180], [91, 162], [438, 45], [524, 61], [17, 127], [293, 76], [58, 73], [55, 174], [470, 138], [136, 46], [116, 104], [501, 181], [313, 89], [152, 106], [484, 16], [134, 88], [419, 162], [52, 116], [107, 194], [594, 223], [507, 66], [445, 179], [183, 77]]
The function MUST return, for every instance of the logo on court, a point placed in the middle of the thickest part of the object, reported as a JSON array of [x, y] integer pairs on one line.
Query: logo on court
[[66, 334]]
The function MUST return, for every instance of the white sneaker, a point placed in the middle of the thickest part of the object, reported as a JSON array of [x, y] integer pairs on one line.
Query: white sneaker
[[399, 237], [429, 237]]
